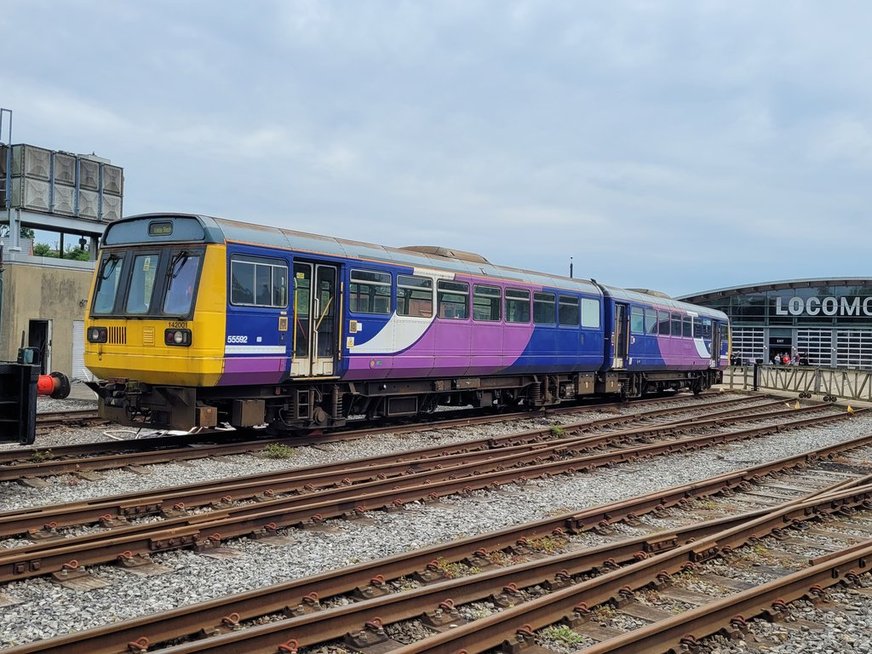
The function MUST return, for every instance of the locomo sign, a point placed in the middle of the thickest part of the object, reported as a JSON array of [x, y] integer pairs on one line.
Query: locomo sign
[[824, 306]]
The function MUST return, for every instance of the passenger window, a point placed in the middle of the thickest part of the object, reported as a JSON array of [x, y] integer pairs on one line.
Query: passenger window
[[676, 324], [687, 327], [637, 320], [241, 282], [414, 296], [706, 328], [260, 283], [569, 311], [452, 299], [142, 283], [663, 323], [517, 305], [280, 286], [590, 313], [544, 310], [486, 303], [651, 321], [369, 292]]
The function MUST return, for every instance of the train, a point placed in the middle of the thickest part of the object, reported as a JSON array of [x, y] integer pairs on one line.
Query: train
[[198, 321]]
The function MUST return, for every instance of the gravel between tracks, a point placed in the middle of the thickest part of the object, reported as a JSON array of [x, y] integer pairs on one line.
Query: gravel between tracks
[[45, 610]]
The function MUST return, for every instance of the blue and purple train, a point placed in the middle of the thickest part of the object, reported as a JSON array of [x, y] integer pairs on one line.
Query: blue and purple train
[[200, 321]]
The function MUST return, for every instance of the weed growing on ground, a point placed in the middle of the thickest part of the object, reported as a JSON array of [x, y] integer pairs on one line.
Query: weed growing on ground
[[455, 570], [562, 634], [547, 544], [40, 455], [279, 451]]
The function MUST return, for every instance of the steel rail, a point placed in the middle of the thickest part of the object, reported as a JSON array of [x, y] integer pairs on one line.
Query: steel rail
[[18, 522], [318, 477], [34, 462], [501, 585], [265, 518], [769, 597], [492, 631], [215, 615]]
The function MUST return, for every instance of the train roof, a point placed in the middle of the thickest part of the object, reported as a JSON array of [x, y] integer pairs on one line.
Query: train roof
[[209, 229], [662, 301]]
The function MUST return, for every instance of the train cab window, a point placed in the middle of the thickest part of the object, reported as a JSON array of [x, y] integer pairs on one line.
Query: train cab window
[[259, 283], [651, 321], [676, 324], [687, 327], [544, 309], [568, 311], [107, 284], [637, 320], [517, 305], [141, 283], [370, 292], [486, 303], [663, 323], [590, 313], [414, 296], [181, 279], [452, 299]]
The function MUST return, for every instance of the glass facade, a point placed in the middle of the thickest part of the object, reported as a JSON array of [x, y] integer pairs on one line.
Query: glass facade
[[824, 322]]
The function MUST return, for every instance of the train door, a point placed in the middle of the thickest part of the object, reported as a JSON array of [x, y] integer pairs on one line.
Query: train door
[[622, 334], [716, 344], [315, 300]]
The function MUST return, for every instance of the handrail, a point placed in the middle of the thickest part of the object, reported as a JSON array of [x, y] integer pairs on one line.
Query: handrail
[[831, 383]]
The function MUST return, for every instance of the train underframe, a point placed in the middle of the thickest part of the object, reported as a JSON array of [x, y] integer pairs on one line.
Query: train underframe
[[309, 404]]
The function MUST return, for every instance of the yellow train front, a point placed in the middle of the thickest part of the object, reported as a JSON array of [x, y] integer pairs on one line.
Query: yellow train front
[[149, 328]]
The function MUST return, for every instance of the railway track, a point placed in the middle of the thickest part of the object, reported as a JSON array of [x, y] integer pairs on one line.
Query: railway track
[[296, 498], [71, 419], [670, 571], [31, 463], [223, 493], [821, 488]]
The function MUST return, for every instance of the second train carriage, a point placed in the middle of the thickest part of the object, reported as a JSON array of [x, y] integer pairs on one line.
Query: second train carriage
[[196, 321]]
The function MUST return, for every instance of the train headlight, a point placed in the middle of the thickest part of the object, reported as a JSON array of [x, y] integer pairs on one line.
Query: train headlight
[[177, 337], [98, 335]]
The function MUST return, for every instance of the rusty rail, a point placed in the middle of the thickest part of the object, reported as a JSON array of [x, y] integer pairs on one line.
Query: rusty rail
[[41, 462], [520, 620], [307, 479], [265, 518], [211, 615]]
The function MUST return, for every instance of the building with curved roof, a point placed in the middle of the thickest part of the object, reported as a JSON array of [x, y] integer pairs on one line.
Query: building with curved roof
[[820, 322]]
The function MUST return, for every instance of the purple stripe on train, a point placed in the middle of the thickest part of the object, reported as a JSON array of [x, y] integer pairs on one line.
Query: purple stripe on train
[[240, 370], [446, 348]]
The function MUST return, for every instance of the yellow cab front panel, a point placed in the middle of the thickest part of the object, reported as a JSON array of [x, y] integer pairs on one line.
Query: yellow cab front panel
[[186, 349]]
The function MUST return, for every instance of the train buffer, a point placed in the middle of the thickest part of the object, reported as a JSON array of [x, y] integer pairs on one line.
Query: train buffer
[[20, 384]]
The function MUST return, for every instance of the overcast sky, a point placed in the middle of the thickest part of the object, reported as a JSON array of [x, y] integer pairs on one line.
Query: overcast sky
[[681, 146]]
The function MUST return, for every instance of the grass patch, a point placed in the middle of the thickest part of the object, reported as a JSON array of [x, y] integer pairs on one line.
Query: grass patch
[[455, 570], [562, 634], [546, 544], [41, 455], [279, 451]]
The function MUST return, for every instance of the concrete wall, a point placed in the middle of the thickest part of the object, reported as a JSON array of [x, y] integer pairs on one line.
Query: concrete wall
[[39, 288]]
